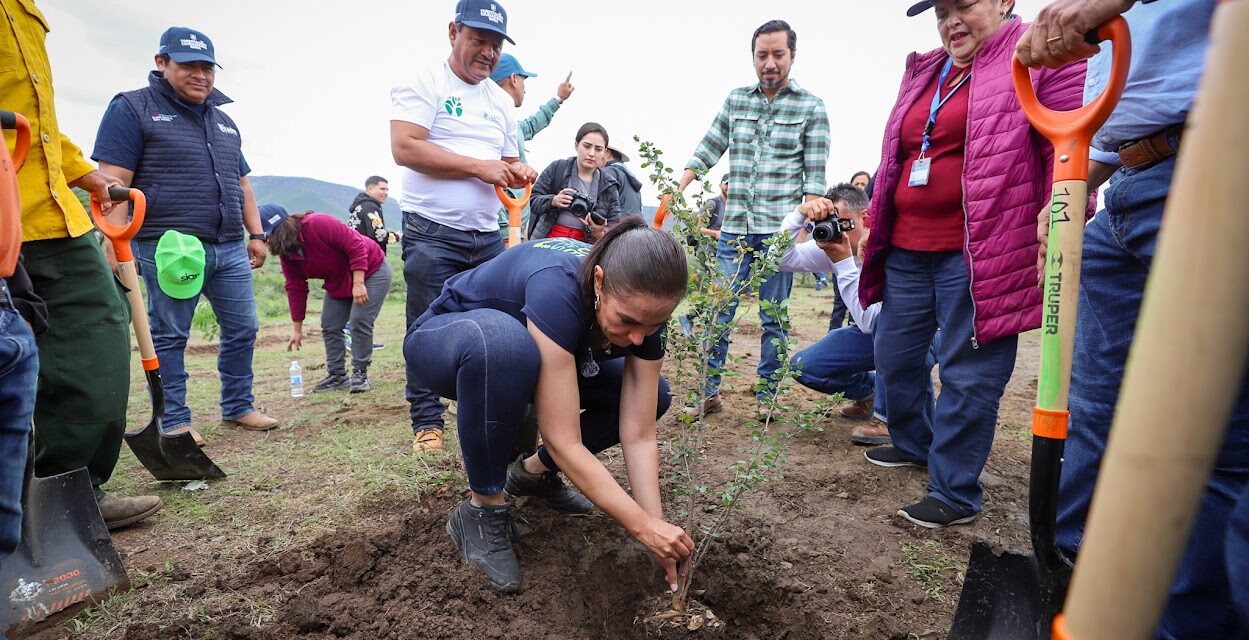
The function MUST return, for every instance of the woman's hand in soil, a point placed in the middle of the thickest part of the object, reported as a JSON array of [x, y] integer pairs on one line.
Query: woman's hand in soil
[[668, 543]]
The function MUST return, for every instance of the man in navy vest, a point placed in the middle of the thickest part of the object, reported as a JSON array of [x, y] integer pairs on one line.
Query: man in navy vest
[[172, 141]]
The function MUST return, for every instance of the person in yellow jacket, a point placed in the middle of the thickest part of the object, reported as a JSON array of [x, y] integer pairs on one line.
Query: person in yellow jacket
[[84, 356]]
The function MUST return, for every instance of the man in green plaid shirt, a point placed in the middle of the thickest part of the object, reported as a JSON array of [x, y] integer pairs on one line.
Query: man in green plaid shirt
[[777, 135]]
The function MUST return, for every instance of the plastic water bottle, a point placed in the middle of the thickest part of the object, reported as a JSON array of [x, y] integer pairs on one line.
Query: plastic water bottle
[[297, 380]]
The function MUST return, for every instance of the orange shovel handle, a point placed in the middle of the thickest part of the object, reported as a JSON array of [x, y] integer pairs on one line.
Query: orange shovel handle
[[1071, 132], [120, 235], [661, 214], [18, 122], [514, 208]]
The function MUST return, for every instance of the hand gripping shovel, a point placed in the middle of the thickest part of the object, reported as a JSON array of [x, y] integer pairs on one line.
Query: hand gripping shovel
[[168, 457], [514, 208], [65, 558], [1010, 595]]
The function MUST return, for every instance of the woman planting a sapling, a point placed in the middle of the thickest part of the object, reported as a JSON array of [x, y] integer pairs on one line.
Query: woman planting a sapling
[[577, 331]]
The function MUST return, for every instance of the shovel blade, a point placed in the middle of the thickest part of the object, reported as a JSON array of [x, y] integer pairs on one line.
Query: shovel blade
[[1001, 598], [171, 457], [65, 560]]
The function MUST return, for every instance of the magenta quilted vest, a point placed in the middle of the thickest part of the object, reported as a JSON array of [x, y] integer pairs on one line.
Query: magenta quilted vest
[[1006, 181]]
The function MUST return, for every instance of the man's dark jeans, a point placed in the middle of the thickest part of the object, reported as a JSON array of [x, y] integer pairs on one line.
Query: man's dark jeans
[[1119, 248], [432, 253]]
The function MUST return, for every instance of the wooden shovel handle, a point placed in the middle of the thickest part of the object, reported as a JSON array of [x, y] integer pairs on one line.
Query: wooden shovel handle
[[514, 208]]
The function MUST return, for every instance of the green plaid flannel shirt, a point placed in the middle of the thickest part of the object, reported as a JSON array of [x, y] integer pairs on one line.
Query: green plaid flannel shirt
[[777, 153]]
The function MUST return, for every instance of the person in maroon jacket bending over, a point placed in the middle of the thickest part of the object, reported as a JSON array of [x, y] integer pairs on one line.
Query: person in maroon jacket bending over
[[357, 278]]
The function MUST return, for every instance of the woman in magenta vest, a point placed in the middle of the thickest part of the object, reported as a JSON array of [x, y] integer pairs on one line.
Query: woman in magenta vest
[[357, 278], [953, 246]]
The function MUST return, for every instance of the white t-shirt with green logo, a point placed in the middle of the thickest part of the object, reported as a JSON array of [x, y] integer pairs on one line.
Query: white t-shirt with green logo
[[472, 120]]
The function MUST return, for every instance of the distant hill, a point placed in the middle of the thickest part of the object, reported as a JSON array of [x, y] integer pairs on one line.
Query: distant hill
[[301, 194]]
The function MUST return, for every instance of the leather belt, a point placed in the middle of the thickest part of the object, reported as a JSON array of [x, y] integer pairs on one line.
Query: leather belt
[[1138, 154]]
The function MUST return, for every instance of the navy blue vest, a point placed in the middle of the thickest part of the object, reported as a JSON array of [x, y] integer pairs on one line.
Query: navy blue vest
[[190, 166]]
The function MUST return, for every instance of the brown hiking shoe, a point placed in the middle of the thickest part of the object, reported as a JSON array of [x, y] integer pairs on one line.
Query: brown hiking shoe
[[858, 409], [427, 440], [254, 421], [871, 434], [711, 405], [195, 435], [123, 512]]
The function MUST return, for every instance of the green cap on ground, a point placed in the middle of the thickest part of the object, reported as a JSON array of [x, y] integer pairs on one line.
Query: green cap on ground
[[180, 265]]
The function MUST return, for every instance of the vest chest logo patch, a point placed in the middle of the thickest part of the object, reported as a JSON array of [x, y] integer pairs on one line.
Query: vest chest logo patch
[[225, 129], [453, 106], [163, 117]]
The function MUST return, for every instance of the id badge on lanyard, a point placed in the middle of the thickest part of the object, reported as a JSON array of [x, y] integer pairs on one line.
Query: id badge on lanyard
[[922, 166]]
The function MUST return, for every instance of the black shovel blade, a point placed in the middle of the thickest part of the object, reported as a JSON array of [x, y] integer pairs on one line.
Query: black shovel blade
[[171, 457], [65, 560], [1001, 598], [175, 457]]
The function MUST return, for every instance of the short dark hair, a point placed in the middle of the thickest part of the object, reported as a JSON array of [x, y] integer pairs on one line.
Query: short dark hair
[[636, 259], [283, 240], [861, 173], [773, 26], [592, 127], [374, 180], [855, 199]]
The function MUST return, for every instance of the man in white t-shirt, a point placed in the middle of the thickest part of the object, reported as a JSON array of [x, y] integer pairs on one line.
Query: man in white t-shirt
[[453, 134]]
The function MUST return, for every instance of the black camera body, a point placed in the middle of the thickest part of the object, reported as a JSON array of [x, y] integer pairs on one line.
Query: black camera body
[[830, 230], [581, 203]]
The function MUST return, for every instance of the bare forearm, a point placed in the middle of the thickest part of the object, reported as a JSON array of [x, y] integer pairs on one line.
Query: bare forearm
[[428, 158], [597, 483], [251, 211], [687, 177], [357, 276], [642, 465]]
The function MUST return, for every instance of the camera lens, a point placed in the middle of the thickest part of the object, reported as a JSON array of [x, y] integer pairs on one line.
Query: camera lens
[[826, 231]]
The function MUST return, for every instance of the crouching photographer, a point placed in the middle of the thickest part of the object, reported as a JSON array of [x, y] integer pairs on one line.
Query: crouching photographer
[[843, 361], [573, 198]]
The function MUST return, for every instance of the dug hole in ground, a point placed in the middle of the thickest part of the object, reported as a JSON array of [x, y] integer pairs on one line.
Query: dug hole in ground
[[331, 528]]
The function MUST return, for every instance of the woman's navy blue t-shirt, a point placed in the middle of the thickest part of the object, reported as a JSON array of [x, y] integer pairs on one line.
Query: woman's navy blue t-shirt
[[539, 281]]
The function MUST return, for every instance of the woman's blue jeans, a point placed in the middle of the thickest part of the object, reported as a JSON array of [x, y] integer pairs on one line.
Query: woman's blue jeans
[[488, 362], [926, 291]]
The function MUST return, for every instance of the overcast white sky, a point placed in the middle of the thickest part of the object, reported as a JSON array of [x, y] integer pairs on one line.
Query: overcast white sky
[[311, 80]]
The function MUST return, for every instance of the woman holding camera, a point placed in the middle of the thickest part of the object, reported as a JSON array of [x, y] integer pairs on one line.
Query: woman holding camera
[[573, 198], [953, 246]]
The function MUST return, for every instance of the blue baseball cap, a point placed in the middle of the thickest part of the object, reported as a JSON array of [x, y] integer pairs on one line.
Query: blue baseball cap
[[272, 215], [483, 14], [509, 66], [919, 7], [186, 45]]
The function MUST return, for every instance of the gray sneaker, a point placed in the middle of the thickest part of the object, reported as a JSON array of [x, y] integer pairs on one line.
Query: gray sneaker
[[332, 382], [547, 486], [483, 537], [360, 382]]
